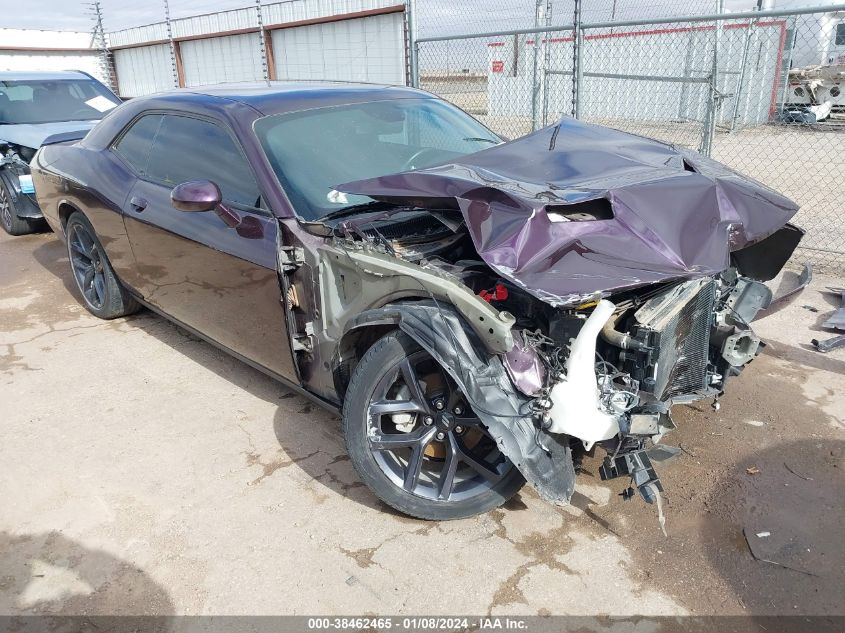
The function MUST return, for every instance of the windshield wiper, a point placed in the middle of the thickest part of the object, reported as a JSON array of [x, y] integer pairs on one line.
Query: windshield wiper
[[479, 138]]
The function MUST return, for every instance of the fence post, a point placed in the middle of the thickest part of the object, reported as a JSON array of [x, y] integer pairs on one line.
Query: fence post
[[535, 79], [752, 24], [715, 99], [99, 36], [173, 62], [412, 45], [262, 42], [577, 62]]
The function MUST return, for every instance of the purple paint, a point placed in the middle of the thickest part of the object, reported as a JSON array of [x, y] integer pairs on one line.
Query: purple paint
[[676, 214]]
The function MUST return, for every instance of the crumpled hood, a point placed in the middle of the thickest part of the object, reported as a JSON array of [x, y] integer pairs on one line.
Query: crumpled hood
[[675, 213], [33, 134]]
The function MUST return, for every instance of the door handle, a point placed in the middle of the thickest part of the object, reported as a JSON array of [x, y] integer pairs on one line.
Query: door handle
[[138, 204]]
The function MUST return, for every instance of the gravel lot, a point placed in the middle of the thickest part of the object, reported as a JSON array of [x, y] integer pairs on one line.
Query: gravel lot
[[146, 472]]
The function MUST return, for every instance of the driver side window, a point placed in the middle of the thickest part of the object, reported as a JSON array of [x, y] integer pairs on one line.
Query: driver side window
[[186, 149]]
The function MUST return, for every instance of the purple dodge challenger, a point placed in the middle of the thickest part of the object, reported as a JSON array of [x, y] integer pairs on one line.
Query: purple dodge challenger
[[482, 313]]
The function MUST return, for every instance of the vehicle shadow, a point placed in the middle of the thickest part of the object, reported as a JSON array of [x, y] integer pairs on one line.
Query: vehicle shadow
[[775, 536], [50, 574], [53, 258]]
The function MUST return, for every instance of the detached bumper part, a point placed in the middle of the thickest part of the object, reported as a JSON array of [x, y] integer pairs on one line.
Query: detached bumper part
[[637, 465]]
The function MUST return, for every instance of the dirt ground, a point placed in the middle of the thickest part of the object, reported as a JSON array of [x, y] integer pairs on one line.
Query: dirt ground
[[144, 471]]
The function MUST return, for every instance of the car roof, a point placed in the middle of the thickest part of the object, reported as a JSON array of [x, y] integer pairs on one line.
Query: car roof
[[274, 97], [15, 75]]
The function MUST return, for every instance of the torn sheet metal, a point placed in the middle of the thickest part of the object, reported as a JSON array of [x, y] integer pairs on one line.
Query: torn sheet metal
[[536, 209]]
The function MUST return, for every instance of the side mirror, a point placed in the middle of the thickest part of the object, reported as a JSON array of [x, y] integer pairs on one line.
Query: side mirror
[[195, 196]]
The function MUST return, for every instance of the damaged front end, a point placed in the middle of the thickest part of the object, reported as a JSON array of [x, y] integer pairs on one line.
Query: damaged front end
[[630, 361], [575, 284], [16, 178]]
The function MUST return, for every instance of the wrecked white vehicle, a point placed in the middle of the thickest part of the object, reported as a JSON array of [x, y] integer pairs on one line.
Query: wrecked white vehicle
[[39, 107], [483, 313]]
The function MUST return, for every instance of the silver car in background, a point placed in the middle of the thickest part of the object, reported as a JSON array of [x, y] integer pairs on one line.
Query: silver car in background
[[38, 108]]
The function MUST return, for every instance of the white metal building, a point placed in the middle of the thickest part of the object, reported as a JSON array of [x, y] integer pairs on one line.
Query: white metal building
[[28, 49], [360, 40]]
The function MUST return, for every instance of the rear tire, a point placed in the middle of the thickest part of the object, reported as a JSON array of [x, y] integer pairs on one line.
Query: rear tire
[[102, 293], [9, 220], [429, 456]]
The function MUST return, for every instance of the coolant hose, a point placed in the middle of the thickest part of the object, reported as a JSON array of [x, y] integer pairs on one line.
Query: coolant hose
[[616, 338]]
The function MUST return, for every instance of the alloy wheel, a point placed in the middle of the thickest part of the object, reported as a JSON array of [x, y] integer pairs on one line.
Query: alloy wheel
[[87, 264], [426, 439]]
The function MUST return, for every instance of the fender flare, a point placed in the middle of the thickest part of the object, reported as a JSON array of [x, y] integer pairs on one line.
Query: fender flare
[[544, 459]]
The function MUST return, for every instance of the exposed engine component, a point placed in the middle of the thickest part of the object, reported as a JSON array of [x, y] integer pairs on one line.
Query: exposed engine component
[[576, 400], [676, 344], [739, 302], [525, 367], [672, 335]]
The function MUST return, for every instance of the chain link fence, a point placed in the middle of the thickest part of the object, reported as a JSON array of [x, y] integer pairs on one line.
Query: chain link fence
[[763, 92]]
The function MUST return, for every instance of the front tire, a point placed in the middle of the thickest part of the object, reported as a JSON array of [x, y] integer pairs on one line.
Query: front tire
[[102, 293], [9, 220], [416, 442]]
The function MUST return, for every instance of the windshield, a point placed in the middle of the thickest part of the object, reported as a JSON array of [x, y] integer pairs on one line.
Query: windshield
[[314, 150], [39, 101]]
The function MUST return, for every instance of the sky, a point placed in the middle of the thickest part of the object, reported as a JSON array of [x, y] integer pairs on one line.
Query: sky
[[436, 16]]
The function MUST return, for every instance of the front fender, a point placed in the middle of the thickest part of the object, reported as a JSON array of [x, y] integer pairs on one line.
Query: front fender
[[24, 204], [543, 459]]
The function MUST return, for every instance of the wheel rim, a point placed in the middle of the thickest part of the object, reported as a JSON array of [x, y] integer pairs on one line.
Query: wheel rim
[[5, 207], [86, 261], [439, 449]]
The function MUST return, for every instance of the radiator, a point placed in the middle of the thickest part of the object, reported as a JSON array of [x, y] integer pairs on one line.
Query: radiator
[[677, 326]]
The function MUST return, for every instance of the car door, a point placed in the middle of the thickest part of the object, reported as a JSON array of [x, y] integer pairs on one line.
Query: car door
[[213, 271]]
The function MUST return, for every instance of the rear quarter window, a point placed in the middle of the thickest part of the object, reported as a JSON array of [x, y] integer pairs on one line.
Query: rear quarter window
[[134, 145]]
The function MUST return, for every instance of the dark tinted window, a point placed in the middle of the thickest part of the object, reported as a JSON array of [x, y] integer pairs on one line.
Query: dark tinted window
[[134, 146], [191, 149], [840, 34]]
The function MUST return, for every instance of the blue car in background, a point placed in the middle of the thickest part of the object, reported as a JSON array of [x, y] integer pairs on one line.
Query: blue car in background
[[38, 108]]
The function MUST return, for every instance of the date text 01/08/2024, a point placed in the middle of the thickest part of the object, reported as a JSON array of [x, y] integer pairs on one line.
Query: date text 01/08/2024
[[418, 623]]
